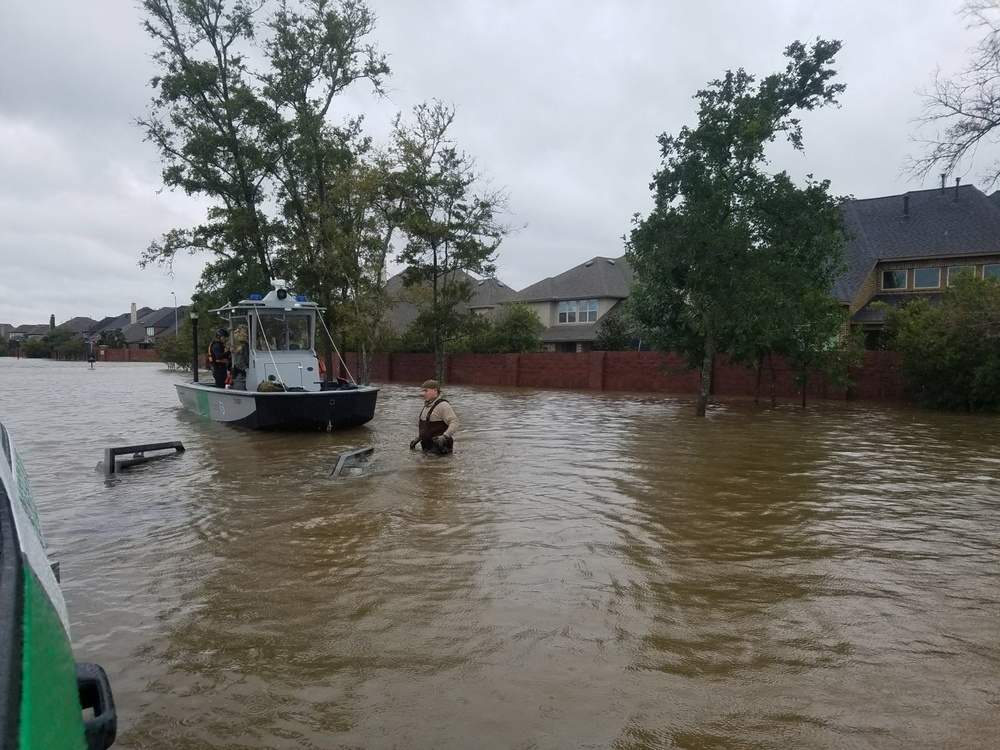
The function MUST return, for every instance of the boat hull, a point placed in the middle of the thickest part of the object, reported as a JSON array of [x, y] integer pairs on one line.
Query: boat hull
[[282, 410]]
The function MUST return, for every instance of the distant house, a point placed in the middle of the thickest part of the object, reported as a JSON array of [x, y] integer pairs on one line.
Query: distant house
[[144, 333], [903, 247], [572, 304], [121, 322], [82, 328], [78, 325], [6, 329], [488, 296], [29, 331]]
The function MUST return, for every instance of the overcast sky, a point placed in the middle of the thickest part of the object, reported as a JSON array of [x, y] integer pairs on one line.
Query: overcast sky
[[559, 101]]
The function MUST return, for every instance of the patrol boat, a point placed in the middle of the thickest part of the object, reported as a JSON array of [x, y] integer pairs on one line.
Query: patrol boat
[[48, 701], [273, 340]]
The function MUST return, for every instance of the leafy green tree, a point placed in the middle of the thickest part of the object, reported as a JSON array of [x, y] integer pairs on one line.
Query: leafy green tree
[[450, 229], [59, 343], [177, 350], [951, 353], [517, 329], [963, 112], [256, 142], [35, 348], [113, 339], [825, 346], [615, 333], [413, 339], [473, 334], [212, 129], [726, 244], [331, 189]]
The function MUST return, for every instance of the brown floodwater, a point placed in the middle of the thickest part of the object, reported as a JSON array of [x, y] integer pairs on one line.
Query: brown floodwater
[[588, 570]]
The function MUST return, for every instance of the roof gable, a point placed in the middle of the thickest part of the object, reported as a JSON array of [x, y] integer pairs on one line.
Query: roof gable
[[78, 325]]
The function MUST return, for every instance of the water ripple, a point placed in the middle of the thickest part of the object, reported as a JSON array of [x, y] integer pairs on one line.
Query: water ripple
[[588, 570]]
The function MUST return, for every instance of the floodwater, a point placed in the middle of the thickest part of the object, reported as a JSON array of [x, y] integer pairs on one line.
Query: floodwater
[[586, 571]]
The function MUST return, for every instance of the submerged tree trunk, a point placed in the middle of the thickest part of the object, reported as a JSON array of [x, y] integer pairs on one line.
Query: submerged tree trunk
[[774, 381], [705, 388], [365, 364], [439, 364], [756, 387]]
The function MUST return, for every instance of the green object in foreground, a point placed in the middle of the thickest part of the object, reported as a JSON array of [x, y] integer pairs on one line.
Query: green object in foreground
[[47, 700], [50, 703]]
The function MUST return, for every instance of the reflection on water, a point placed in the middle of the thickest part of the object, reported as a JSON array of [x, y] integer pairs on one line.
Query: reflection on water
[[588, 570]]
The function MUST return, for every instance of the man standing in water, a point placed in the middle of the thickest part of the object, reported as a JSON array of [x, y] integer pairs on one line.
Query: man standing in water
[[437, 423], [219, 357]]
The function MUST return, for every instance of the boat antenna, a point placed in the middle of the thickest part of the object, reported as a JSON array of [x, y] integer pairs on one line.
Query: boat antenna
[[260, 328], [334, 344]]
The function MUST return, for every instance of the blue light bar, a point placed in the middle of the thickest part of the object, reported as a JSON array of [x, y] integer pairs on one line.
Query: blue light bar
[[300, 298], [255, 295]]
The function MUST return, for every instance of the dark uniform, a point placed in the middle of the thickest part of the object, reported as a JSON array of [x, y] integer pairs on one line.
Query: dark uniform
[[220, 357]]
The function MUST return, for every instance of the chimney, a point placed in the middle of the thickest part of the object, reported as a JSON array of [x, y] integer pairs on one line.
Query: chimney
[[52, 322], [906, 206], [133, 319], [943, 176], [957, 180]]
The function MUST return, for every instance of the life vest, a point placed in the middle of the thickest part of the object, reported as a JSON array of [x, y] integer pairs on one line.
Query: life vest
[[428, 430], [214, 360]]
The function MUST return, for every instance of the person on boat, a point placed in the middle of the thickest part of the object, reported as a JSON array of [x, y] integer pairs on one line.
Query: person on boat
[[437, 423], [241, 358], [220, 357]]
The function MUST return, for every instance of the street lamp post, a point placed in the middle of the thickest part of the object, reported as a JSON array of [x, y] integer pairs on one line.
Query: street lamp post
[[176, 331], [194, 336]]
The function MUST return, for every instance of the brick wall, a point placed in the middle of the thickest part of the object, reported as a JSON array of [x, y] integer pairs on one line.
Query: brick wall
[[649, 372], [126, 355], [641, 372]]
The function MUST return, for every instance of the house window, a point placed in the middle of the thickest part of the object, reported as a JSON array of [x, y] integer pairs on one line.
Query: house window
[[150, 330], [926, 278], [954, 271], [567, 312], [578, 311], [991, 271], [894, 279]]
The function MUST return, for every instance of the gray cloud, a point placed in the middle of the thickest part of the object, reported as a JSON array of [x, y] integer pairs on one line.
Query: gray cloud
[[559, 101]]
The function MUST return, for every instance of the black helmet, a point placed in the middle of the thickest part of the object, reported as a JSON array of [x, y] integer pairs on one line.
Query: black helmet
[[222, 332]]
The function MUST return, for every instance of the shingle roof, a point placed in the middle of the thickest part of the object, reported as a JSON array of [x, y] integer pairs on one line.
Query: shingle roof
[[954, 222], [599, 277], [122, 321], [489, 292], [162, 318], [32, 329], [78, 325], [578, 332]]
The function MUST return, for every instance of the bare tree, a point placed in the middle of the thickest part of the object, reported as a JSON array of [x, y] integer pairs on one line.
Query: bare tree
[[963, 112]]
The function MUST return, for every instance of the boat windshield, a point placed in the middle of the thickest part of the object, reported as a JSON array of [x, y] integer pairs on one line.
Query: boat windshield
[[279, 332]]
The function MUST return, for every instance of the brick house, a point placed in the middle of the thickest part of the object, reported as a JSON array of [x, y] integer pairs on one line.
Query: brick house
[[903, 247]]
